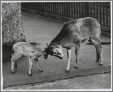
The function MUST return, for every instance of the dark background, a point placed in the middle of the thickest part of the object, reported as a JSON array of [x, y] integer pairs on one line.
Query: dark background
[[71, 10]]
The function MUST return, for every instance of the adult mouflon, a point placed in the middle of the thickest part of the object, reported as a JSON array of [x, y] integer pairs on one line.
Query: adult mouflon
[[73, 34]]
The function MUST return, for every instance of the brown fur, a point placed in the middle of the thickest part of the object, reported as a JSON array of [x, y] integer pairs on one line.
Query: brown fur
[[31, 50], [76, 32]]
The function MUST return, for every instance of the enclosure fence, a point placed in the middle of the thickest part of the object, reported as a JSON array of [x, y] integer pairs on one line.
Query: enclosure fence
[[73, 10]]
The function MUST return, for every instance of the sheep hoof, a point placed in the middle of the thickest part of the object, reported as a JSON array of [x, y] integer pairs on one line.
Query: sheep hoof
[[41, 70], [30, 74], [75, 66], [100, 64], [67, 71], [13, 72]]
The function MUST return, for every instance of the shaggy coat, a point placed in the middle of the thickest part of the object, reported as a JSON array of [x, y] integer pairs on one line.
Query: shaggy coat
[[80, 31], [31, 50]]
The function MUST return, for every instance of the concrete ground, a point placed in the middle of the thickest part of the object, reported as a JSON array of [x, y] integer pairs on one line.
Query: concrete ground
[[101, 81], [48, 28]]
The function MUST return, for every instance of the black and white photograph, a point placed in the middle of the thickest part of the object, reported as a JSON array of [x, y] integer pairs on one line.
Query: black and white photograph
[[56, 45]]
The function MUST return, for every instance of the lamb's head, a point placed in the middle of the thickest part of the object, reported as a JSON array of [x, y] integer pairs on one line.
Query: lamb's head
[[54, 50]]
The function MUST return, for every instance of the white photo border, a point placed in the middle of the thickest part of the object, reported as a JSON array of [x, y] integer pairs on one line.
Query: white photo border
[[56, 89]]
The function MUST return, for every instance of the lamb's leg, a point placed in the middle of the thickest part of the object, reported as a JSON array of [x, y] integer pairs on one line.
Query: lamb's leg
[[69, 60], [39, 67], [14, 57], [13, 66], [36, 60], [30, 66]]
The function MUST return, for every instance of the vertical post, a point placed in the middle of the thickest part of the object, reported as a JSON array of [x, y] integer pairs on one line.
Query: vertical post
[[12, 27]]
